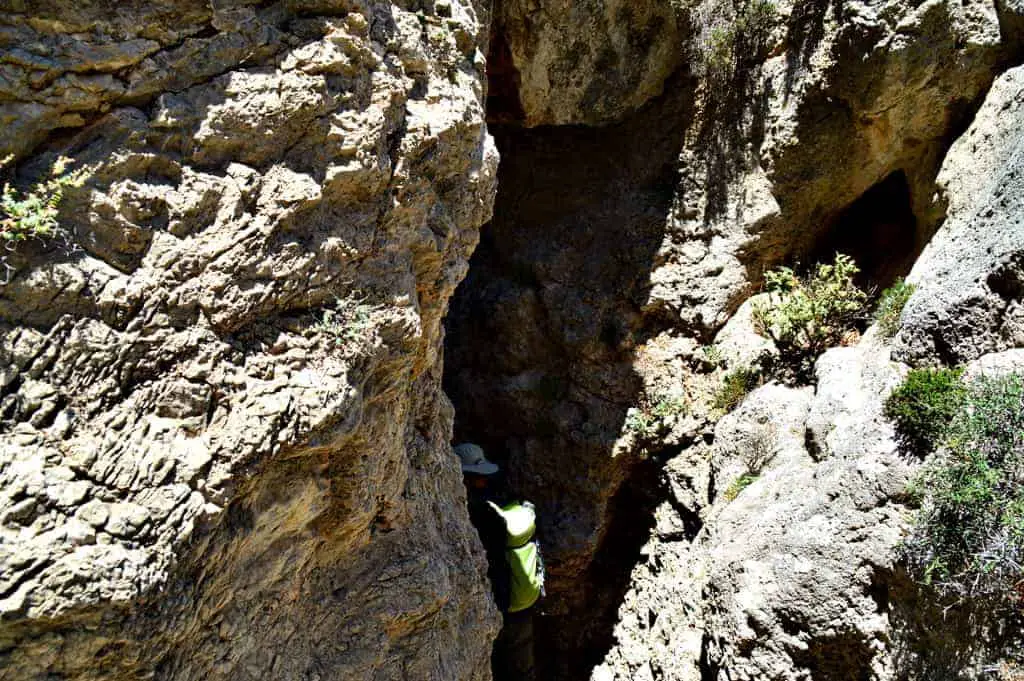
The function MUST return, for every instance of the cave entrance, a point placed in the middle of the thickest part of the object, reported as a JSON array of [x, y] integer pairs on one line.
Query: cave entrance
[[879, 231]]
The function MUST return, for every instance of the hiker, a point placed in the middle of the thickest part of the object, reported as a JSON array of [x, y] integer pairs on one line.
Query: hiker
[[513, 558]]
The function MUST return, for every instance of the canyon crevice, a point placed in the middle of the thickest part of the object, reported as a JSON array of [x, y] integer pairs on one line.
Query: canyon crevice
[[295, 270]]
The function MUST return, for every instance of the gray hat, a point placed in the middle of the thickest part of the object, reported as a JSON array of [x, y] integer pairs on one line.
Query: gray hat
[[473, 459]]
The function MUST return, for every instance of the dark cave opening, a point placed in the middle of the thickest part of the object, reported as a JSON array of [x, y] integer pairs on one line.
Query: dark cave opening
[[879, 231]]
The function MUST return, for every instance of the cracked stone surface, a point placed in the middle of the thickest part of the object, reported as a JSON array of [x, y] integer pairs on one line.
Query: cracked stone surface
[[221, 422]]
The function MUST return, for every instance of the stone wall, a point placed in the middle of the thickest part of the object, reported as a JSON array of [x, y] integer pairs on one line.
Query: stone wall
[[224, 449]]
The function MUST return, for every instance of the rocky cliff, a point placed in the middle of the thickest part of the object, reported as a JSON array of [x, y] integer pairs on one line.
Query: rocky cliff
[[224, 450], [627, 234], [223, 437]]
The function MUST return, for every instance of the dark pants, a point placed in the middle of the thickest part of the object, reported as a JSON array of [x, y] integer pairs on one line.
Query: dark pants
[[513, 651]]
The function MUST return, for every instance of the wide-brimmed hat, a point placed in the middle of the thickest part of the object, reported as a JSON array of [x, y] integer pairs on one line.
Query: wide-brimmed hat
[[473, 459]]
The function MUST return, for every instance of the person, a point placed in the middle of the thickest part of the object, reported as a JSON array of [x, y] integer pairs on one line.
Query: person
[[507, 531]]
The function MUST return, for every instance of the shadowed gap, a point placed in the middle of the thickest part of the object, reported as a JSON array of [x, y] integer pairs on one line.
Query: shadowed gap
[[541, 337]]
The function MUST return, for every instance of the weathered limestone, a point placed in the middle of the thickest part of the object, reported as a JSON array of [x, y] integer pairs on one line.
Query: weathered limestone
[[969, 279], [224, 449], [583, 320], [588, 62]]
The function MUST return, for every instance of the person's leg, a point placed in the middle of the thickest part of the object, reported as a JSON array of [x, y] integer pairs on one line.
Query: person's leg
[[513, 651]]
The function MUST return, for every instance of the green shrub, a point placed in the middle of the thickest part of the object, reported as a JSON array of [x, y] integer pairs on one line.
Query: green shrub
[[738, 485], [805, 316], [712, 356], [735, 387], [924, 405], [890, 306], [732, 32], [968, 538], [33, 215], [655, 416]]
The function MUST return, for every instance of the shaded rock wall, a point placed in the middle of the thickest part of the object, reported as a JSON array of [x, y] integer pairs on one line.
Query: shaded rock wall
[[223, 446], [591, 62], [542, 336]]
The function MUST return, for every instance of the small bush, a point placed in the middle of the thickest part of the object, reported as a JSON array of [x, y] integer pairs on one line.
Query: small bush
[[924, 405], [738, 485], [33, 214], [890, 306], [968, 539], [654, 416], [735, 387], [805, 316], [731, 33]]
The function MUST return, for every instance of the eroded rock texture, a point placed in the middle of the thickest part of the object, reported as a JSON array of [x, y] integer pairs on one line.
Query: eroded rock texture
[[970, 277], [576, 353], [224, 449], [589, 62], [796, 574]]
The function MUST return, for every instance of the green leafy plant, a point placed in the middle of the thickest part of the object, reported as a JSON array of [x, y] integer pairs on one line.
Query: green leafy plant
[[712, 355], [654, 416], [890, 306], [924, 405], [968, 538], [806, 315], [732, 31], [33, 214], [735, 386]]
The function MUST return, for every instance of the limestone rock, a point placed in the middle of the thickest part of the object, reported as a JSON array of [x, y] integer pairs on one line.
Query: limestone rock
[[224, 452], [591, 62], [969, 279]]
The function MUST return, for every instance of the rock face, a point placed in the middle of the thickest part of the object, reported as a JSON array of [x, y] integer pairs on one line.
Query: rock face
[[970, 279], [556, 290], [591, 62], [224, 449], [575, 345], [796, 572]]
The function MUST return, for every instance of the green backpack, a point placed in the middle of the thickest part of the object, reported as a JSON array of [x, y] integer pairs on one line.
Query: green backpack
[[522, 554]]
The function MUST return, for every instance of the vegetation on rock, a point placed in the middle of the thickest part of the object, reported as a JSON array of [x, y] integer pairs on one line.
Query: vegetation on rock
[[806, 315], [924, 405], [33, 214], [731, 33], [968, 539], [890, 306], [348, 326], [654, 416], [738, 485], [735, 386]]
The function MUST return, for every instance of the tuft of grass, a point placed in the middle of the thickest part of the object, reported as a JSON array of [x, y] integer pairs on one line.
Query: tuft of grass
[[968, 537], [924, 405], [735, 387], [890, 306], [738, 485]]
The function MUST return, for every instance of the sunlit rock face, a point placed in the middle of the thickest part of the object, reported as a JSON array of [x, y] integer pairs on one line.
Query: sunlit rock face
[[224, 453]]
